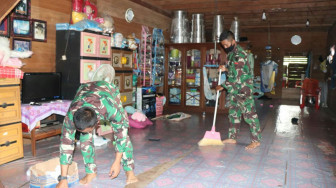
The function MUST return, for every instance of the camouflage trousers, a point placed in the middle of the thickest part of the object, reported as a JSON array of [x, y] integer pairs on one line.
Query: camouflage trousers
[[241, 105], [88, 153]]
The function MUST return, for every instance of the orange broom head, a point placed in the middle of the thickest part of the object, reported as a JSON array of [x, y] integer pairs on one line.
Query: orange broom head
[[211, 138]]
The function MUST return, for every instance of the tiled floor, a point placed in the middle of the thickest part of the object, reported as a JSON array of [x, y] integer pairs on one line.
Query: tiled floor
[[290, 155]]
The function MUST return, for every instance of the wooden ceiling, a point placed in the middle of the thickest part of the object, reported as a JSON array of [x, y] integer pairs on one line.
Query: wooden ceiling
[[288, 15]]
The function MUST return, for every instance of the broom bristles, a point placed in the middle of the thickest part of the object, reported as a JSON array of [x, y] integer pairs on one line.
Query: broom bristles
[[210, 142]]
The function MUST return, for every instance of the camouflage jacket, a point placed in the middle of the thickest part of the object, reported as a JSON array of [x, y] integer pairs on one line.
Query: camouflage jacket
[[104, 98], [239, 79]]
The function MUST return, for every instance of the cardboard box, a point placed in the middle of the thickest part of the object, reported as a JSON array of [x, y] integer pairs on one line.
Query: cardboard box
[[45, 174]]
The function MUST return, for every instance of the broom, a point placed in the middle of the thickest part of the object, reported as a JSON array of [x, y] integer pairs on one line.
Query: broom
[[212, 137]]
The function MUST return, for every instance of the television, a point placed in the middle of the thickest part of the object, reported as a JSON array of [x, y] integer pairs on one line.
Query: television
[[39, 87]]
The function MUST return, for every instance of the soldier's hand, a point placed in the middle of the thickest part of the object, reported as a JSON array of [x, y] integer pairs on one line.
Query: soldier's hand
[[219, 88], [223, 68], [115, 170]]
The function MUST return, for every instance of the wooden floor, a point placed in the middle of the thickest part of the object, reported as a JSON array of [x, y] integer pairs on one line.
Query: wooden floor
[[290, 155]]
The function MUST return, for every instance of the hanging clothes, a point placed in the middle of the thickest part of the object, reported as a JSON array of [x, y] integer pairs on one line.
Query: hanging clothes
[[269, 70], [209, 95]]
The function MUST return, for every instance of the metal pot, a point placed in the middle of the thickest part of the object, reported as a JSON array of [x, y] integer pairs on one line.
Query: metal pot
[[217, 28]]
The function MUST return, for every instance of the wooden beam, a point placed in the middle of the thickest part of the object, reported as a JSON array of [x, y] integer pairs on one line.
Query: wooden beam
[[142, 15], [287, 26], [285, 29], [152, 7], [289, 12], [206, 4], [6, 7], [233, 6]]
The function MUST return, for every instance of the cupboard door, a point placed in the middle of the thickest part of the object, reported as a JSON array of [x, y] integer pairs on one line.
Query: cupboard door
[[116, 60], [175, 68], [89, 43], [104, 45], [127, 81], [126, 98], [10, 109], [118, 80], [193, 77], [175, 96], [127, 58], [11, 147], [87, 69]]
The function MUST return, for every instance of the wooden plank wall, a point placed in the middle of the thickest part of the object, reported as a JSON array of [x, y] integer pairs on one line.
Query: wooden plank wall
[[143, 16], [281, 46], [43, 59]]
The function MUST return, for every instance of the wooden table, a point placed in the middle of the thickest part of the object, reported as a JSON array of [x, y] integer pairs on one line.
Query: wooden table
[[32, 115], [41, 133]]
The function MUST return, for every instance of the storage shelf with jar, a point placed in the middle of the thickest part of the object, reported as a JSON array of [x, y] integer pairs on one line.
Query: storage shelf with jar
[[212, 62], [184, 83], [193, 78], [174, 77], [158, 58]]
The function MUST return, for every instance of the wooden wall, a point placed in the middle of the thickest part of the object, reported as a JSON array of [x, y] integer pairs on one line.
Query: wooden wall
[[280, 41], [53, 12], [43, 59], [143, 16]]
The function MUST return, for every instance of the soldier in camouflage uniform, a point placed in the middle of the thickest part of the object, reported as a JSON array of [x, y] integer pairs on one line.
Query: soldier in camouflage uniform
[[96, 101], [239, 86]]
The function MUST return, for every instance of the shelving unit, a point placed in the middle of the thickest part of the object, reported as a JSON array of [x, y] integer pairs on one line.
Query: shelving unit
[[122, 63], [184, 83], [146, 57], [193, 78], [11, 147], [158, 58], [211, 65], [174, 79]]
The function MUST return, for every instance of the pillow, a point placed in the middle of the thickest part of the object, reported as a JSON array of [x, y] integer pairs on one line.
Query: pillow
[[130, 109], [138, 124], [139, 116]]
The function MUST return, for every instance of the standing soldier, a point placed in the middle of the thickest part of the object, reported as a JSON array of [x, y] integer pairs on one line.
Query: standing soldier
[[96, 101], [239, 86]]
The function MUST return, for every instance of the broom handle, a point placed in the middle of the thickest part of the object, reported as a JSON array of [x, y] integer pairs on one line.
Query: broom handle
[[213, 129]]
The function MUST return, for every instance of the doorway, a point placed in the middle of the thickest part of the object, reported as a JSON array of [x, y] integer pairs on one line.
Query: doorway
[[294, 69]]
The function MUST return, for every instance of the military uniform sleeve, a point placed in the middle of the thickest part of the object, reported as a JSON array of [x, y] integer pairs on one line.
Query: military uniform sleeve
[[228, 86], [67, 140]]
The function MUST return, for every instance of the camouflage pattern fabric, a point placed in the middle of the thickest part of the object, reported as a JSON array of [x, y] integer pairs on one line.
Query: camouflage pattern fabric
[[239, 86], [104, 98]]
